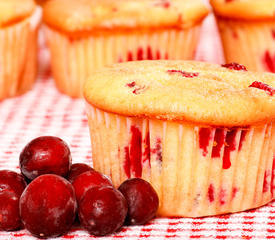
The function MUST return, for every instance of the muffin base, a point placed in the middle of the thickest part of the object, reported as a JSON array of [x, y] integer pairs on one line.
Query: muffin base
[[73, 59], [249, 43], [18, 58], [196, 170]]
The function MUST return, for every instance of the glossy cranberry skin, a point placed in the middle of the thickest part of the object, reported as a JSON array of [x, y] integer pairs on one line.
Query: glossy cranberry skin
[[77, 169], [235, 66], [9, 211], [48, 206], [88, 180], [45, 155], [102, 210], [260, 85], [12, 181], [142, 200]]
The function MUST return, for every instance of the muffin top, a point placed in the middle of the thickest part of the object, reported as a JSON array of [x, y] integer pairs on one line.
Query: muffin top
[[87, 15], [13, 11], [184, 91], [245, 9]]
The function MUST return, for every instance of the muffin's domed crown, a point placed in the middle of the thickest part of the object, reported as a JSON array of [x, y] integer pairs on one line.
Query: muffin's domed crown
[[184, 91], [12, 11], [86, 15], [245, 9]]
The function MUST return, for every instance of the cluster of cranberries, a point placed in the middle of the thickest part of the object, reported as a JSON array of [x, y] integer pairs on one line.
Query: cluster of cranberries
[[59, 190]]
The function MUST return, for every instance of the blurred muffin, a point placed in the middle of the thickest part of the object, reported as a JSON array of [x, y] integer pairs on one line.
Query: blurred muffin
[[87, 34], [247, 29], [202, 134], [18, 46], [40, 2]]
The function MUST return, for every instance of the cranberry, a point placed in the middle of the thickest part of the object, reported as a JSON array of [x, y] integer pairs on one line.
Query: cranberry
[[87, 180], [12, 181], [270, 90], [137, 88], [235, 66], [142, 200], [48, 206], [77, 169], [184, 74], [45, 155], [9, 210], [131, 84], [102, 210], [269, 61]]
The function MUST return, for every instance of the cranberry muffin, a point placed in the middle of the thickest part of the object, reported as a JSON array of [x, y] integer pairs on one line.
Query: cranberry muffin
[[202, 134], [87, 34], [247, 30], [19, 21]]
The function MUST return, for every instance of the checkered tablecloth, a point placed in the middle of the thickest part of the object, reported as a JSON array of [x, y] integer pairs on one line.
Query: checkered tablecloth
[[44, 111]]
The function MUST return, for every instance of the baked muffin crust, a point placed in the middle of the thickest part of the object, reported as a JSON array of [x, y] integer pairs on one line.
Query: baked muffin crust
[[12, 11], [90, 15], [245, 9], [184, 91]]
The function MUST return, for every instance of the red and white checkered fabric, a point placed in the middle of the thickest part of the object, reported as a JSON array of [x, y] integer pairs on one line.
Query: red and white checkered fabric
[[44, 111]]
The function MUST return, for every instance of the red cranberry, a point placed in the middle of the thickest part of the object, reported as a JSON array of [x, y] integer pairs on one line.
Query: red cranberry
[[270, 90], [87, 180], [235, 66], [142, 200], [184, 74], [102, 210], [45, 155], [48, 206], [12, 181], [9, 210], [131, 84], [76, 170]]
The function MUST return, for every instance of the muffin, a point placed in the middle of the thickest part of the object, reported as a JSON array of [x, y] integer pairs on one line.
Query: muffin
[[41, 2], [202, 134], [87, 34], [18, 46], [247, 29]]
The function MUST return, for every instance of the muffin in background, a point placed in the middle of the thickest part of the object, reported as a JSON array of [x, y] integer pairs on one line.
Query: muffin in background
[[41, 2], [247, 29], [19, 22], [203, 135], [84, 35]]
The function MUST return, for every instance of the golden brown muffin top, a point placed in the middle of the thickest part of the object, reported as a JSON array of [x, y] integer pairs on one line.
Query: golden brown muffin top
[[13, 11], [184, 91], [245, 9], [86, 15]]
